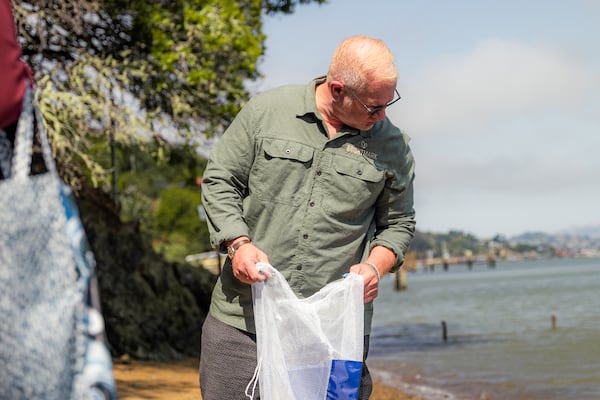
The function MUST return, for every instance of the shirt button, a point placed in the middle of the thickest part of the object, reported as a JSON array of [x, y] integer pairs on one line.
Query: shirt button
[[299, 267], [305, 236], [312, 204], [288, 151], [359, 172], [319, 173]]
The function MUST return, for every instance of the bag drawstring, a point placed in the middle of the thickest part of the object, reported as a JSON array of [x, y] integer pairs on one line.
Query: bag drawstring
[[254, 381]]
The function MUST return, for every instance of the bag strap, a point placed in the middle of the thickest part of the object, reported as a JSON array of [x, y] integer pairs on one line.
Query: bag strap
[[21, 164]]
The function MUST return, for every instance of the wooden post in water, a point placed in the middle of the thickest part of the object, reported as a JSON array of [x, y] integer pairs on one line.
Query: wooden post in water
[[445, 256], [444, 331], [491, 258], [400, 282], [553, 318], [410, 263], [469, 258]]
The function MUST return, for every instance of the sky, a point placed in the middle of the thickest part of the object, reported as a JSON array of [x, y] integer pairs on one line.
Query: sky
[[501, 100]]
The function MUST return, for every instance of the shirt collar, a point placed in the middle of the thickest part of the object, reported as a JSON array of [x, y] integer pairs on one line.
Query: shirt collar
[[309, 106], [309, 110]]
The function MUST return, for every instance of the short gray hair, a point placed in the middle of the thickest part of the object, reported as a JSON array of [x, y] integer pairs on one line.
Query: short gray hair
[[361, 59]]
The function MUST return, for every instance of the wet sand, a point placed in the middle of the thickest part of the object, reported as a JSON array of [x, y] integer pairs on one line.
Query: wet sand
[[178, 380]]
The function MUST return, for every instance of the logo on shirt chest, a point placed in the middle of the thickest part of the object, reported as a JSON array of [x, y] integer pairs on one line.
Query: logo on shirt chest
[[352, 148]]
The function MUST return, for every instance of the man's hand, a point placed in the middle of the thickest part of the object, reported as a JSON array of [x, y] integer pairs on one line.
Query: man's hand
[[380, 258], [244, 264], [370, 280]]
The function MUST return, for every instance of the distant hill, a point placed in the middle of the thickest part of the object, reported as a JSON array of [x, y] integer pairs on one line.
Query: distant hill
[[592, 231], [585, 237]]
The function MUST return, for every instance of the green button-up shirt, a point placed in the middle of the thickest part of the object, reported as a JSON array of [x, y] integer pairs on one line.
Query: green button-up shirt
[[314, 205]]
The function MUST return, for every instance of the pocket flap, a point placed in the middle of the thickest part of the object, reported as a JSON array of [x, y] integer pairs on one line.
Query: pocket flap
[[288, 150], [357, 169]]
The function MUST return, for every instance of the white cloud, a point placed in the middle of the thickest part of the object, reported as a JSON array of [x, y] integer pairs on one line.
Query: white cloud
[[498, 79], [530, 176]]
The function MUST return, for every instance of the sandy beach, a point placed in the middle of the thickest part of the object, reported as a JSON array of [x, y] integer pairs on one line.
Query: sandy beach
[[178, 380]]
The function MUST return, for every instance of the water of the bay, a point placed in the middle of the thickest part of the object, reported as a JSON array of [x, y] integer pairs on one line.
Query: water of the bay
[[501, 343]]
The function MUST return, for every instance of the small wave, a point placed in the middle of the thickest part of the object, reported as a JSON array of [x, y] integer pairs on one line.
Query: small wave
[[426, 392]]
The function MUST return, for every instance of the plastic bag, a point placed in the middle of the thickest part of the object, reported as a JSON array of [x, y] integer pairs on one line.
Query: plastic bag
[[309, 348]]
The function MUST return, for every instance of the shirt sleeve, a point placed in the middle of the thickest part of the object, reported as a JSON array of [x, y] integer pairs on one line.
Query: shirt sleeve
[[395, 215], [225, 180]]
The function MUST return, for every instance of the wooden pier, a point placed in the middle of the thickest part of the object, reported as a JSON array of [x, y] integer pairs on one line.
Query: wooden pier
[[412, 264]]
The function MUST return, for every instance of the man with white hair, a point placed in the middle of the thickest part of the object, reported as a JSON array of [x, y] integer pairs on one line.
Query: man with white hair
[[315, 180]]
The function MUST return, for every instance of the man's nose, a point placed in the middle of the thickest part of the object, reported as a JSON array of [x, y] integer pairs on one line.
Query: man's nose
[[380, 114]]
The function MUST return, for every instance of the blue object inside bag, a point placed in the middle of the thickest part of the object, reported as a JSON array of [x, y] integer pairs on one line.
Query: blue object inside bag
[[344, 380]]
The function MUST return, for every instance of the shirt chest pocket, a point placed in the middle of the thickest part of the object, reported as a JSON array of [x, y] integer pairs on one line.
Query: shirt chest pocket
[[280, 174], [353, 188]]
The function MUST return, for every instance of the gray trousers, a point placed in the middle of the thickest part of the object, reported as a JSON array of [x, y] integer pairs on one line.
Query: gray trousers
[[228, 361]]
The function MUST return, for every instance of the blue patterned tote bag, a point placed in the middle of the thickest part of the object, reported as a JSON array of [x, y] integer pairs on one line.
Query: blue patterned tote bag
[[51, 328]]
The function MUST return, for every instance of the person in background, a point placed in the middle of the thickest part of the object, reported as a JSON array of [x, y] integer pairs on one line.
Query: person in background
[[315, 180], [15, 75]]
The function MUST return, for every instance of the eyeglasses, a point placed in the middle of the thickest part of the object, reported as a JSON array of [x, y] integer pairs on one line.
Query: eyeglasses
[[374, 109]]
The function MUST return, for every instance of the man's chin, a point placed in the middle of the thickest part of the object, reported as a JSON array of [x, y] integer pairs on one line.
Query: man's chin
[[365, 126], [368, 126]]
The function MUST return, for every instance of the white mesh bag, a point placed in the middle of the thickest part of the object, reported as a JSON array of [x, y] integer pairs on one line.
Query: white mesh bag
[[312, 348]]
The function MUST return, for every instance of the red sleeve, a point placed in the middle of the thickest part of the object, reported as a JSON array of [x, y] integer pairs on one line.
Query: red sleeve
[[13, 71]]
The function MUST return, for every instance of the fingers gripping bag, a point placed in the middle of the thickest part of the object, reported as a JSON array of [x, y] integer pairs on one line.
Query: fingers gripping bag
[[311, 348]]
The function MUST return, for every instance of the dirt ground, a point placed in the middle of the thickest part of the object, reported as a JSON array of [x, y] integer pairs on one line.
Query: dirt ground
[[178, 380]]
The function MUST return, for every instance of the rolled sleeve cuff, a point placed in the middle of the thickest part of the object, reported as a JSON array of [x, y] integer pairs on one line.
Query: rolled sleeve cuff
[[397, 249], [218, 239]]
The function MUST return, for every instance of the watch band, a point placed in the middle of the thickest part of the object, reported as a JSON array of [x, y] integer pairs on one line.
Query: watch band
[[232, 249]]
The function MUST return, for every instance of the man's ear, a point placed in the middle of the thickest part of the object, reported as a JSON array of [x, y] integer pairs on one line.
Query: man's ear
[[336, 88]]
